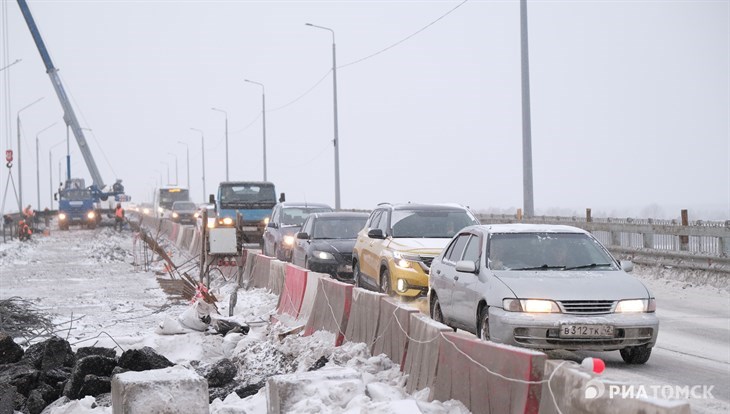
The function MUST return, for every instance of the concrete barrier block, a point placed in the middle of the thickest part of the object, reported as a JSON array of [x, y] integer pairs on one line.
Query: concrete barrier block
[[331, 309], [309, 294], [362, 325], [581, 392], [391, 336], [283, 392], [260, 272], [291, 297], [169, 390], [277, 274], [423, 351], [461, 375]]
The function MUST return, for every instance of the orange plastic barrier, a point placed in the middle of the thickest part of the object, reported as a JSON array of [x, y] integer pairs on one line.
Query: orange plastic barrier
[[364, 314], [457, 377], [391, 338], [295, 283], [331, 309]]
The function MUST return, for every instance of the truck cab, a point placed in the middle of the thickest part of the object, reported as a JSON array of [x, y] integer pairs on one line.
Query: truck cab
[[76, 205], [254, 200]]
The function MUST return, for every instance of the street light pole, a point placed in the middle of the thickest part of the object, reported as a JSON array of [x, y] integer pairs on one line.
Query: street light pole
[[38, 166], [168, 171], [334, 93], [202, 143], [263, 116], [226, 114], [20, 174], [187, 159], [528, 195], [50, 169]]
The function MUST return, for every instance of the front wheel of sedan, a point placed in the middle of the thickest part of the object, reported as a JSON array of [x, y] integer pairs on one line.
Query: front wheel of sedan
[[356, 275], [636, 355], [483, 323]]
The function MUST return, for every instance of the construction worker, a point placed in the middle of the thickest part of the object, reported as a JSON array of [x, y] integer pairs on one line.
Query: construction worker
[[28, 212], [119, 216]]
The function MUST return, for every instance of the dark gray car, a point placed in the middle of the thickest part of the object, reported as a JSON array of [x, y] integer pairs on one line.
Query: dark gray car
[[183, 212], [543, 287]]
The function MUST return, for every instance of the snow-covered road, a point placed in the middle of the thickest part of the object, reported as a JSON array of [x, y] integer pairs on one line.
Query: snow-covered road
[[86, 279]]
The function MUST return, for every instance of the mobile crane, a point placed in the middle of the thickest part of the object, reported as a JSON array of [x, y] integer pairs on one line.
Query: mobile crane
[[69, 203]]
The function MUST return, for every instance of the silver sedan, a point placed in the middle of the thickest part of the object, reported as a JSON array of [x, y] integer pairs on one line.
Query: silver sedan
[[542, 287]]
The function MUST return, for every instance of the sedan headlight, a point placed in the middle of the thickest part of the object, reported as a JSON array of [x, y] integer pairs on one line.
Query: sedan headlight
[[160, 209], [530, 305], [323, 255], [62, 216], [636, 306], [91, 215], [146, 210], [211, 223], [289, 240], [266, 221], [196, 214], [175, 215]]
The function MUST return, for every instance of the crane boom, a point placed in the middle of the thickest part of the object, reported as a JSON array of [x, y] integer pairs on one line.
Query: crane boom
[[68, 113]]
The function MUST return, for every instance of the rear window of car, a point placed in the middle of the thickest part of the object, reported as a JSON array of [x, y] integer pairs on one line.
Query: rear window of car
[[430, 223]]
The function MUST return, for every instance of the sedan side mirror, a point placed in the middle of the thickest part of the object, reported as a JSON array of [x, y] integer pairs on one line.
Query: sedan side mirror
[[627, 265], [302, 236], [55, 196], [466, 266], [376, 234], [272, 225]]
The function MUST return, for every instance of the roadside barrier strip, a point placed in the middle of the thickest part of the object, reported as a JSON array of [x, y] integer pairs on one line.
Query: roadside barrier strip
[[423, 351], [310, 293], [260, 272], [486, 377], [457, 377], [392, 338], [277, 274], [290, 300], [364, 314], [331, 309], [246, 281], [571, 383]]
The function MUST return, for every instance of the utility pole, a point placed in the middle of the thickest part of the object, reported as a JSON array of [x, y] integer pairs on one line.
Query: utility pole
[[528, 200]]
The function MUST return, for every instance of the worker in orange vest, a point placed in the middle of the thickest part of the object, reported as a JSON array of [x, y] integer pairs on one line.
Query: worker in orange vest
[[119, 216]]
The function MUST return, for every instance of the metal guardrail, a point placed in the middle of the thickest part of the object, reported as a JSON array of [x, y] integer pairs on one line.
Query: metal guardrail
[[698, 245]]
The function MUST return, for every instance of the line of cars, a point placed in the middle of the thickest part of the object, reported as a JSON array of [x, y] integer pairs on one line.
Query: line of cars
[[535, 286]]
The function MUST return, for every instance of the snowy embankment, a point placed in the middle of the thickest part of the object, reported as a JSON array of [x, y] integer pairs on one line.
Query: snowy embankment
[[87, 281]]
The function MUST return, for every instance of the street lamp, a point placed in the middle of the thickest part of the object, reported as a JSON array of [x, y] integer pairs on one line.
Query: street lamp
[[187, 159], [202, 143], [334, 93], [20, 175], [50, 168], [226, 114], [38, 166], [263, 115], [176, 181]]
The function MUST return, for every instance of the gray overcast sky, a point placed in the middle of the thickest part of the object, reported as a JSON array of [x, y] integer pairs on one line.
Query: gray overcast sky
[[630, 99]]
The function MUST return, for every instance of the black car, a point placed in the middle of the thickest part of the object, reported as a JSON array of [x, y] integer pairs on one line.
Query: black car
[[325, 243], [183, 212]]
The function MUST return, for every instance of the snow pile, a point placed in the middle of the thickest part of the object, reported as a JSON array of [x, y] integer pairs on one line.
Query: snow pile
[[107, 248]]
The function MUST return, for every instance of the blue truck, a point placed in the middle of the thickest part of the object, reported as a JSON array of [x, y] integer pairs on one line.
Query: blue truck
[[77, 205], [254, 200]]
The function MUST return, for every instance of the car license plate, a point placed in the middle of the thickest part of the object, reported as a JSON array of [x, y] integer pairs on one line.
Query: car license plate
[[586, 331], [249, 228]]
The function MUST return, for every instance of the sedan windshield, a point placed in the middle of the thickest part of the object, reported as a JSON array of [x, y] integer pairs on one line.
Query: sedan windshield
[[432, 224], [294, 216], [338, 228], [547, 251], [183, 206]]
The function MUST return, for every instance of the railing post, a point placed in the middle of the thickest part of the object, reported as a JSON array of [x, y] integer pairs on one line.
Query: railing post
[[519, 214], [589, 218], [684, 240], [649, 237], [724, 243]]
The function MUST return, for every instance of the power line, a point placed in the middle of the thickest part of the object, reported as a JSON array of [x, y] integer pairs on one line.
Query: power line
[[302, 95], [404, 39]]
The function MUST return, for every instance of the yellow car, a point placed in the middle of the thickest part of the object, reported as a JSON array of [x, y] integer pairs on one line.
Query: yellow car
[[394, 250]]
